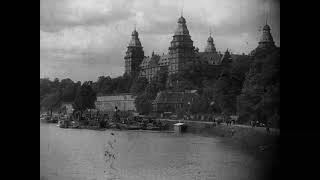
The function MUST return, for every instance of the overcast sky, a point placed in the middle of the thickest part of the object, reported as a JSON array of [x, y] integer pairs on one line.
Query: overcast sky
[[85, 39]]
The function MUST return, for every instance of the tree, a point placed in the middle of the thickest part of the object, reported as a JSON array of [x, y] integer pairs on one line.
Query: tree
[[161, 78], [139, 85], [85, 98], [152, 89], [260, 96], [143, 103], [51, 101], [68, 90]]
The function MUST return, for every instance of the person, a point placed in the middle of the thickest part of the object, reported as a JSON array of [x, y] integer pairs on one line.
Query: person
[[228, 121], [232, 131], [116, 113]]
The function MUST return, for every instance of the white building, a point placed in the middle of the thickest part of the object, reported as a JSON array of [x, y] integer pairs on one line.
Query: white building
[[124, 102]]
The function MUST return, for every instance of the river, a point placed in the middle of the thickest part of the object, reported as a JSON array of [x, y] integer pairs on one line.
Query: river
[[79, 154]]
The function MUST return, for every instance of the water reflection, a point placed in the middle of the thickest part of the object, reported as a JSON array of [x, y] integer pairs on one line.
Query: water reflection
[[81, 154]]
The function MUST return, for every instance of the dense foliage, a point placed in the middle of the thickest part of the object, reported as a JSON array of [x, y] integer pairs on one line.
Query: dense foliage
[[85, 97], [260, 96], [53, 93]]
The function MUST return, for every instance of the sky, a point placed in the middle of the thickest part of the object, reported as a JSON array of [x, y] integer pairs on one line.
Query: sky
[[85, 39]]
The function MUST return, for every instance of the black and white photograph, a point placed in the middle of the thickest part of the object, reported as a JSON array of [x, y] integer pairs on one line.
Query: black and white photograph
[[159, 89]]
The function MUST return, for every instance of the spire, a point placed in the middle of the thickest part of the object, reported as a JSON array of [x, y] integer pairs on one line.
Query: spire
[[182, 8], [267, 20], [226, 58]]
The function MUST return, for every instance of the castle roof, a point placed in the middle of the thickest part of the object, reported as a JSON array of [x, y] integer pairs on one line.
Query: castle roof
[[182, 27], [210, 57], [266, 27], [226, 58], [266, 41], [165, 97], [135, 41], [153, 62], [210, 45], [266, 35], [150, 61]]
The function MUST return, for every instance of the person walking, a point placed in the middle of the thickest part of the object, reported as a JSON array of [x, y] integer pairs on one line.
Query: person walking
[[116, 113]]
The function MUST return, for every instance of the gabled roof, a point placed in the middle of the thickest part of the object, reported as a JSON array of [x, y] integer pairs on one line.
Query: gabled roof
[[145, 62], [150, 61]]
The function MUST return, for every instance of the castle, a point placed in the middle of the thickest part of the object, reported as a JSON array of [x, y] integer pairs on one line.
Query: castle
[[181, 51]]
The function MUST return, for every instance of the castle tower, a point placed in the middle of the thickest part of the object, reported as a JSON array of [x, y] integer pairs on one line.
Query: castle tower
[[134, 55], [181, 49], [210, 45], [266, 42], [266, 39]]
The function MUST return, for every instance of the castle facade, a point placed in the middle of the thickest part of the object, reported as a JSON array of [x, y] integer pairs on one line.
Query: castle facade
[[180, 52]]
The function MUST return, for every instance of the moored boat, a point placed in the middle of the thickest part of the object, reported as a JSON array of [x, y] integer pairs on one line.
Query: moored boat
[[64, 123], [75, 124]]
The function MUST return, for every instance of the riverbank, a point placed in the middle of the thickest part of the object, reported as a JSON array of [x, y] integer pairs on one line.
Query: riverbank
[[252, 140]]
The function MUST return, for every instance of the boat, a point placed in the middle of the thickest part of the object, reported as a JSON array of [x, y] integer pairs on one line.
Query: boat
[[179, 127], [75, 124], [153, 128], [64, 123], [112, 125], [133, 127], [53, 119]]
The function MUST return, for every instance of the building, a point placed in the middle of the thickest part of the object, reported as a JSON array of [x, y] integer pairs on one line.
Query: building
[[134, 55], [266, 41], [166, 101], [181, 48], [124, 102], [180, 52]]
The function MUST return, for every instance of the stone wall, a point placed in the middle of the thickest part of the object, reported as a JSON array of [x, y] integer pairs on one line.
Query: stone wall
[[124, 102]]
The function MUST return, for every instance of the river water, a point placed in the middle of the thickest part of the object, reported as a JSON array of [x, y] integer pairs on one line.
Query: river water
[[79, 154]]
